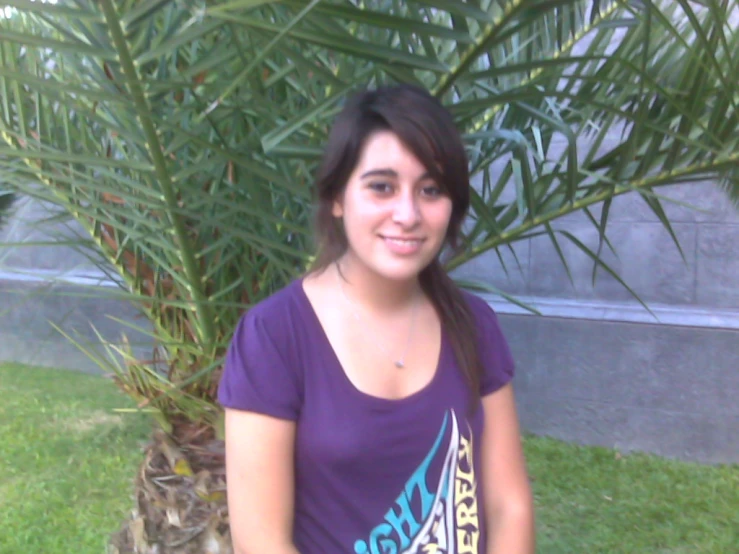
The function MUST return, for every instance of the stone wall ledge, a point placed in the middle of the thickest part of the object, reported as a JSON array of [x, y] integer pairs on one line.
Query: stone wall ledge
[[628, 312], [687, 315]]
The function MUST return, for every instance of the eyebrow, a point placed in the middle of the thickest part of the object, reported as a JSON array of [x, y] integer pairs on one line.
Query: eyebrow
[[386, 172]]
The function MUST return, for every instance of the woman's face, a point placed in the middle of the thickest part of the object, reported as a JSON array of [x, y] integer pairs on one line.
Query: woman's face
[[395, 216]]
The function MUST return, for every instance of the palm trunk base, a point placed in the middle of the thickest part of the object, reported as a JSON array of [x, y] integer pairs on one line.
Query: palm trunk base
[[180, 499]]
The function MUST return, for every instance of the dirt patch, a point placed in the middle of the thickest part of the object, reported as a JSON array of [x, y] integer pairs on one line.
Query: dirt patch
[[93, 421]]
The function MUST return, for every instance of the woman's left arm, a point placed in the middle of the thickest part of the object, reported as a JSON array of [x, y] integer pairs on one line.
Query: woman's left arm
[[507, 494]]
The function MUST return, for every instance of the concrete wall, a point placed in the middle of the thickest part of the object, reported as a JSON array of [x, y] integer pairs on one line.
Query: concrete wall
[[31, 312], [670, 390], [34, 222], [48, 286], [596, 368], [647, 257]]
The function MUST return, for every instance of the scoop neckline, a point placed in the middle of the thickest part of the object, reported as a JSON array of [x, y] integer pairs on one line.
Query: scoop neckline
[[337, 366]]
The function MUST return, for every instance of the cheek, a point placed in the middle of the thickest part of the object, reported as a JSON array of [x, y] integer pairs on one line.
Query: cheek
[[441, 215], [359, 221], [362, 213]]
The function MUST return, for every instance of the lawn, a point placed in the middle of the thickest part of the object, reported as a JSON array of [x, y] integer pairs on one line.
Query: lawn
[[67, 460], [594, 500]]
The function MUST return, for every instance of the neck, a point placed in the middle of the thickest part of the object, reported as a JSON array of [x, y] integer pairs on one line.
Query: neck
[[373, 291]]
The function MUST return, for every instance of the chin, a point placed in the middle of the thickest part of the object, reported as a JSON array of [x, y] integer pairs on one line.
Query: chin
[[401, 270], [393, 268]]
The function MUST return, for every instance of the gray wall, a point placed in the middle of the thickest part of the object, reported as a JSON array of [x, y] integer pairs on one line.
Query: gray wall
[[596, 368], [670, 390], [647, 257], [31, 312], [48, 286]]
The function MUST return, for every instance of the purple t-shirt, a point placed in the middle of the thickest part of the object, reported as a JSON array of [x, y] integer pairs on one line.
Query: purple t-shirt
[[373, 475]]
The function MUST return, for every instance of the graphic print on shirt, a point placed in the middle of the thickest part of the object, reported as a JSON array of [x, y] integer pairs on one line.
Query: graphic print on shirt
[[448, 519]]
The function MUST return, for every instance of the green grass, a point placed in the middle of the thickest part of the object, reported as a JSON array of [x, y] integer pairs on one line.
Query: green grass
[[595, 500], [67, 461]]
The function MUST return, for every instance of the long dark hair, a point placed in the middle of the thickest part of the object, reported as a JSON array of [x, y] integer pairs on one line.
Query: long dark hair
[[427, 129]]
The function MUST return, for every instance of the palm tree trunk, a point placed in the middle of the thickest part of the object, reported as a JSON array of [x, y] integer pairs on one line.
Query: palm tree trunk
[[180, 498]]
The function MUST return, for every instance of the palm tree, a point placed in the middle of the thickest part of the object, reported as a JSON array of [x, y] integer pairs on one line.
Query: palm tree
[[183, 135]]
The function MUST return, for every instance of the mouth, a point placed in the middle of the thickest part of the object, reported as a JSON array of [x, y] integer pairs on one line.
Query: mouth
[[403, 241], [403, 245]]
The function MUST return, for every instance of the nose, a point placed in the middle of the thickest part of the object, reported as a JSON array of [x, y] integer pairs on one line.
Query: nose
[[406, 211]]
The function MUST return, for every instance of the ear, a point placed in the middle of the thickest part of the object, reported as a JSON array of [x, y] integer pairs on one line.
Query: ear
[[337, 208]]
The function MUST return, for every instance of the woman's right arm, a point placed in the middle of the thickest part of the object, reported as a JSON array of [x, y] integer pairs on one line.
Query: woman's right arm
[[260, 480]]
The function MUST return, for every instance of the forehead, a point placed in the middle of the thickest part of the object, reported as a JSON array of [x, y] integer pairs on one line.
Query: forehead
[[384, 150]]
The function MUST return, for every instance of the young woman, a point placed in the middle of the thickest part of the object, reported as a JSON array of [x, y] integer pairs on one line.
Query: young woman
[[369, 406]]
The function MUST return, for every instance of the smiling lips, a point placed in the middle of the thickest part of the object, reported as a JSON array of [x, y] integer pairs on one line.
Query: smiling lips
[[403, 246]]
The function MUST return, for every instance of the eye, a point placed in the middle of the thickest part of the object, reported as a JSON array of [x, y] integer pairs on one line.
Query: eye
[[380, 187], [432, 191]]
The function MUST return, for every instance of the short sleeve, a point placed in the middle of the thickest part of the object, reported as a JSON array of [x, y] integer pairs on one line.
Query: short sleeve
[[258, 375], [495, 353]]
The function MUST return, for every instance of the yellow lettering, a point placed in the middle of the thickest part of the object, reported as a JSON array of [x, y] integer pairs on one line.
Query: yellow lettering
[[466, 476], [464, 487], [465, 450], [465, 500], [467, 541], [467, 515]]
